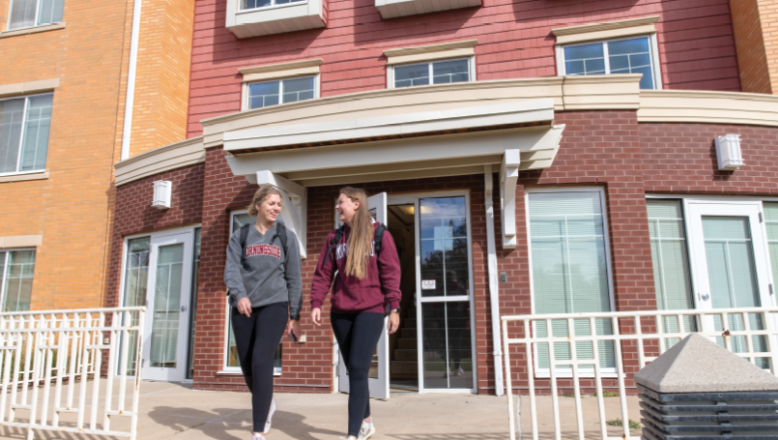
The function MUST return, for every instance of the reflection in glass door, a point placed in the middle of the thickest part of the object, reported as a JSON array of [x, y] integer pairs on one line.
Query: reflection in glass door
[[445, 326]]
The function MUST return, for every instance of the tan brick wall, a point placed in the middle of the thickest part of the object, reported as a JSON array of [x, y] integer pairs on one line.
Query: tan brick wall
[[72, 209], [162, 80], [749, 39], [768, 12]]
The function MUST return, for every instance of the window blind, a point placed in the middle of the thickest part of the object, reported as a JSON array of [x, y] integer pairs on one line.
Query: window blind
[[569, 269]]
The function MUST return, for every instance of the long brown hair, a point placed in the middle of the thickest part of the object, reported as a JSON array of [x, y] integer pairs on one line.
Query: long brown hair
[[360, 241], [260, 197]]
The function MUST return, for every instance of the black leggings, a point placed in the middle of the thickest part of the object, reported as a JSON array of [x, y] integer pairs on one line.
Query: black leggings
[[257, 339], [357, 336]]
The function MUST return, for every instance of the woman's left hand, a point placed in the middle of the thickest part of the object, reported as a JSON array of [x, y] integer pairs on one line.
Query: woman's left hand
[[294, 327], [394, 322]]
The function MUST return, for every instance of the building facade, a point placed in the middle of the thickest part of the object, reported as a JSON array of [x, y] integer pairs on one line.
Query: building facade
[[63, 94], [528, 158]]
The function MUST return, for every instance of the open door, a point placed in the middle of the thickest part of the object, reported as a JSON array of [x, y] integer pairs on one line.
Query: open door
[[379, 367]]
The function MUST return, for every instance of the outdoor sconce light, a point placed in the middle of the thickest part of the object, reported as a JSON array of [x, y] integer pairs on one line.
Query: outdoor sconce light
[[728, 152], [162, 191]]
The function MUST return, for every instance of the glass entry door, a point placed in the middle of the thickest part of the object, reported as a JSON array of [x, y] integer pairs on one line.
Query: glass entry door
[[378, 376], [732, 267], [443, 309], [167, 307]]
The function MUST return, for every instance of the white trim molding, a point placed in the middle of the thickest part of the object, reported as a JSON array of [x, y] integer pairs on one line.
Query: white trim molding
[[606, 31], [281, 70], [456, 49], [382, 126], [509, 176], [33, 30], [29, 87], [686, 106], [20, 241], [402, 8], [276, 19], [169, 157], [24, 177]]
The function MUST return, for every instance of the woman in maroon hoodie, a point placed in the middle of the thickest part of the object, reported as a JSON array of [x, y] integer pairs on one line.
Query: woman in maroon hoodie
[[366, 286]]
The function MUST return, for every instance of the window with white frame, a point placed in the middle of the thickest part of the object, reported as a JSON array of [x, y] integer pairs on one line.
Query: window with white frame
[[232, 360], [436, 72], [31, 13], [282, 91], [630, 55], [16, 273], [254, 4], [570, 269], [24, 133]]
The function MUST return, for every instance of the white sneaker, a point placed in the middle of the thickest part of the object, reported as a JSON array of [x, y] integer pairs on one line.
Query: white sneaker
[[366, 431], [459, 372], [269, 417], [257, 436]]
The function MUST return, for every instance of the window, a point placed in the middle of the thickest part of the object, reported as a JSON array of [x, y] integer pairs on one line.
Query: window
[[265, 94], [16, 273], [570, 269], [136, 275], [438, 72], [232, 361], [633, 55], [253, 4], [30, 13], [24, 133]]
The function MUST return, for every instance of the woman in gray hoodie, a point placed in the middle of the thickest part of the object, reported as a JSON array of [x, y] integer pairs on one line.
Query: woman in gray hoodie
[[262, 275]]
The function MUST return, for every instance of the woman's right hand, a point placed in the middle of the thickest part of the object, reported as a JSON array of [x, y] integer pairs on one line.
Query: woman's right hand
[[316, 316], [244, 307]]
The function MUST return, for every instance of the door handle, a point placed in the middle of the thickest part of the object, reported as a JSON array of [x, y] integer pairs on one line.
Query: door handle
[[183, 308]]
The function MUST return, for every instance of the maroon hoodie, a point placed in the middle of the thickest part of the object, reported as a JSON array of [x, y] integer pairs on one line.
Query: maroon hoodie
[[379, 287]]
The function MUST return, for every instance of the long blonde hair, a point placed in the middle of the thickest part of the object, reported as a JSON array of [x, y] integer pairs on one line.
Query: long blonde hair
[[360, 242], [260, 197]]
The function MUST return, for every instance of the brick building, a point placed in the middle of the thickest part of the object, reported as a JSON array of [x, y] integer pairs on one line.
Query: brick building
[[547, 156], [63, 92]]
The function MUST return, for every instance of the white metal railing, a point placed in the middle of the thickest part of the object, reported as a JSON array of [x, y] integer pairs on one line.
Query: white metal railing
[[636, 339], [65, 352]]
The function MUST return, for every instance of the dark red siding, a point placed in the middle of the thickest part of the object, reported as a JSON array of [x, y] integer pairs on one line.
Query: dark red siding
[[696, 44]]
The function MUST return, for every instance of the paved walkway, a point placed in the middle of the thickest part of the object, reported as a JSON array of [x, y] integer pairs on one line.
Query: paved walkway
[[173, 411]]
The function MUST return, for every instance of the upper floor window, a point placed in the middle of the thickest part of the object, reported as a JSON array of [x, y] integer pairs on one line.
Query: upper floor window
[[30, 13], [24, 133], [253, 4], [438, 72], [633, 55], [267, 93]]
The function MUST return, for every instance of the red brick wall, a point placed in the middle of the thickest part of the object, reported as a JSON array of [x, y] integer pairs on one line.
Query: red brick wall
[[696, 44], [134, 213]]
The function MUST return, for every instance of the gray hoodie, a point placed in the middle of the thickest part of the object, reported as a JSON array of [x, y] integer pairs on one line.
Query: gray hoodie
[[273, 276]]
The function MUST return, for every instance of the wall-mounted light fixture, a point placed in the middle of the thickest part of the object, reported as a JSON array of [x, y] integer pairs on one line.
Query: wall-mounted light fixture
[[162, 192], [728, 152]]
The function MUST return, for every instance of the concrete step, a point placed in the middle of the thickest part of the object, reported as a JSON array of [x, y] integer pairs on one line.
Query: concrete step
[[407, 343], [405, 355], [404, 368]]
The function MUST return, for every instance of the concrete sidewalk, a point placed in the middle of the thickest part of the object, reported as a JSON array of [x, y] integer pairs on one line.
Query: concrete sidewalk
[[168, 410]]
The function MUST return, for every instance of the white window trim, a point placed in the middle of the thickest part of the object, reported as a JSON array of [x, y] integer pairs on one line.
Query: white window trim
[[4, 267], [545, 372], [37, 9], [653, 49], [728, 200], [227, 369], [316, 90], [267, 8], [21, 136], [470, 71]]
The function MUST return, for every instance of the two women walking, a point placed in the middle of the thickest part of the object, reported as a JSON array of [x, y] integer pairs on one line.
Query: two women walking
[[263, 275]]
